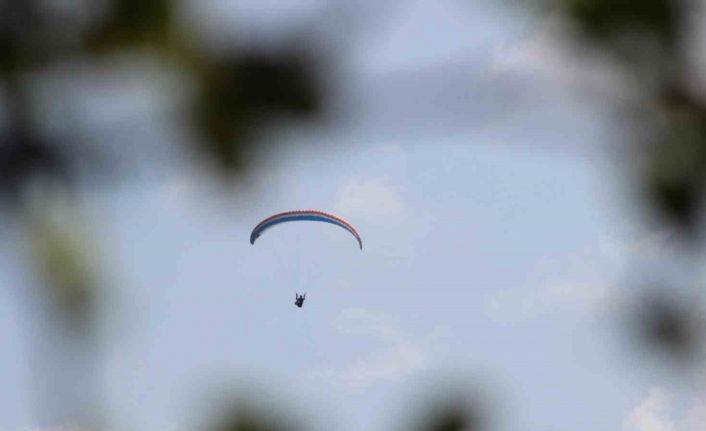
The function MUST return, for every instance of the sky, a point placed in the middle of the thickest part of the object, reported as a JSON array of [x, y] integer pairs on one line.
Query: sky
[[495, 244]]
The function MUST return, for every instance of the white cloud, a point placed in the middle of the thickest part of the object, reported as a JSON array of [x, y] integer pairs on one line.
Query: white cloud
[[656, 412], [399, 357], [394, 363], [652, 413], [366, 322], [588, 282], [696, 418], [575, 296], [370, 198], [551, 52]]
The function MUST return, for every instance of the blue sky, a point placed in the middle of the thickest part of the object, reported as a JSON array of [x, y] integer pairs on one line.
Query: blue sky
[[494, 238]]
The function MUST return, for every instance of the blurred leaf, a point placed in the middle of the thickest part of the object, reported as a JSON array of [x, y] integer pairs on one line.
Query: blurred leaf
[[668, 324], [63, 259], [35, 34], [603, 19], [677, 199], [133, 22], [244, 416], [248, 422], [240, 95], [675, 175], [10, 54], [23, 159], [453, 420], [453, 415], [16, 18]]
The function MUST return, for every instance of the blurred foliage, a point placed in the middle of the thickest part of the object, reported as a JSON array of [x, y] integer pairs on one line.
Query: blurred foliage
[[16, 17], [454, 413], [239, 94], [673, 175], [238, 418], [64, 259], [452, 417], [666, 324], [244, 94], [668, 327], [133, 22], [607, 20], [649, 40], [25, 160]]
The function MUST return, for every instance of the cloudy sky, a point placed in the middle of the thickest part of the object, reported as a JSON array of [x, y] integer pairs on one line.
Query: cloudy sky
[[494, 245]]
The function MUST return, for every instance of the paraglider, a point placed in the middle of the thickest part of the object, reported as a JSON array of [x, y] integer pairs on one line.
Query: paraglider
[[303, 215]]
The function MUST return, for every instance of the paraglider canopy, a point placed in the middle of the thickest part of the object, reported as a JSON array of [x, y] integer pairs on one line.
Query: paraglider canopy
[[303, 215]]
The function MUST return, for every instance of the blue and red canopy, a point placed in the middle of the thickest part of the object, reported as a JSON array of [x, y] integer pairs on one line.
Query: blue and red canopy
[[303, 215]]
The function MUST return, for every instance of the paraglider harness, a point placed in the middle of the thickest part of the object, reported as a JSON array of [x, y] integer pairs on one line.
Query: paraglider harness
[[299, 300]]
